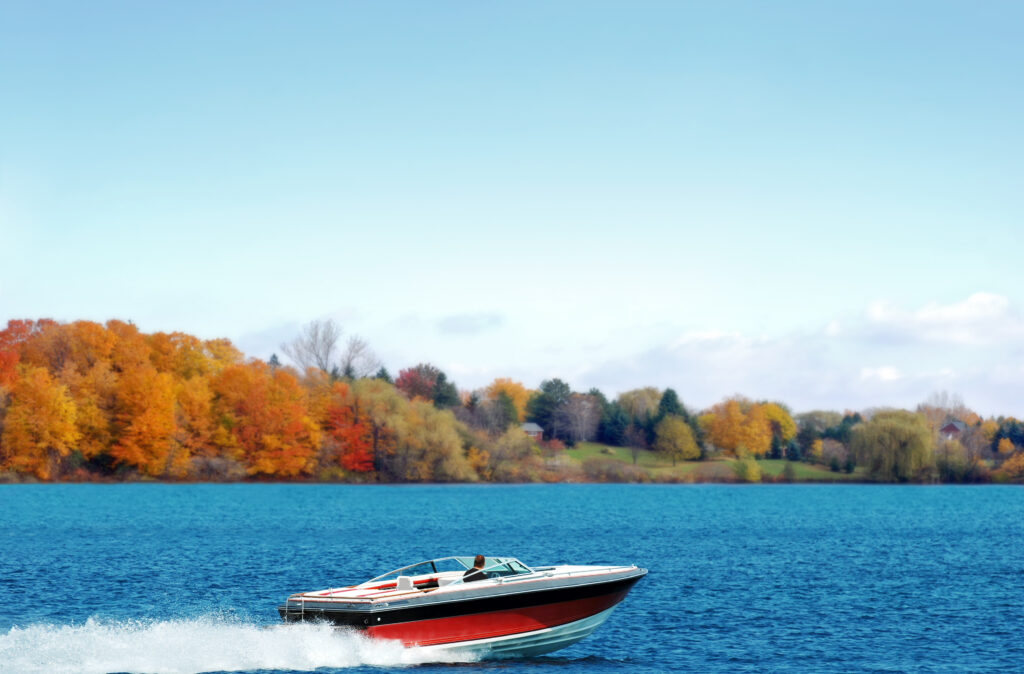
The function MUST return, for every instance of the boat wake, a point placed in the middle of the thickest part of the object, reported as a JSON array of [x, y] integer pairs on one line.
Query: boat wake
[[196, 645]]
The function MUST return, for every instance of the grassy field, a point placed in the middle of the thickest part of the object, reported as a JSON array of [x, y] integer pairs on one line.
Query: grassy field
[[661, 469]]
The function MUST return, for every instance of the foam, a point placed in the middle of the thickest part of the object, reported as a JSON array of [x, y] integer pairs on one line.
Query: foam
[[196, 645]]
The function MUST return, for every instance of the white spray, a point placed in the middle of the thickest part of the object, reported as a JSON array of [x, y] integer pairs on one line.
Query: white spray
[[194, 645]]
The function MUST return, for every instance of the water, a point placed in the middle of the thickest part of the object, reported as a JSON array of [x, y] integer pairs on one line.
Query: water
[[185, 578]]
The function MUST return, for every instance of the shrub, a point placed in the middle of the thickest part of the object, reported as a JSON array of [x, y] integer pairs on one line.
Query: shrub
[[747, 470]]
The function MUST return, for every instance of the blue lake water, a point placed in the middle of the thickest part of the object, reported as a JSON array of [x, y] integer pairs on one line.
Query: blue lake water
[[184, 578]]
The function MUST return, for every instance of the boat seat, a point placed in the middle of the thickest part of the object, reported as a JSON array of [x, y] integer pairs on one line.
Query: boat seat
[[404, 584]]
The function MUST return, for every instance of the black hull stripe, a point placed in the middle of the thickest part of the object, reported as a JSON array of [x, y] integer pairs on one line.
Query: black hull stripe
[[350, 618]]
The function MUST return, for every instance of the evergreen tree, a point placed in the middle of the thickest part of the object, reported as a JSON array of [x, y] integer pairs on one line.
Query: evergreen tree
[[670, 404], [445, 395], [776, 449], [274, 361], [384, 375], [544, 406], [793, 451], [612, 428]]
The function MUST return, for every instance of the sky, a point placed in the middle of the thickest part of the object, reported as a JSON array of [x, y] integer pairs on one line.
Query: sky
[[818, 203]]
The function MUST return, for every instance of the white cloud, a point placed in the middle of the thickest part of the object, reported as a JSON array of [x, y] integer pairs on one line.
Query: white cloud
[[982, 318], [884, 373]]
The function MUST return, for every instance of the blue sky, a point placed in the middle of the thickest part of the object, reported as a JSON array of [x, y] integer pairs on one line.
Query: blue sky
[[815, 202]]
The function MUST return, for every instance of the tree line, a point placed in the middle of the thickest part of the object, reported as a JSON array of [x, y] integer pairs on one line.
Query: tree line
[[84, 401]]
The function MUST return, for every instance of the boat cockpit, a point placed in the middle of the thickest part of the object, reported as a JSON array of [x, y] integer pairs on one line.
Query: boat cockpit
[[444, 571]]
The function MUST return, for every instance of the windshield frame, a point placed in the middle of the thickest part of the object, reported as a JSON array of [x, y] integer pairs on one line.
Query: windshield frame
[[505, 566]]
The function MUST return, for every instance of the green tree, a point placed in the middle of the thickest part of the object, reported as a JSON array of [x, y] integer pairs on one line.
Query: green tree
[[674, 439], [612, 427], [544, 406], [670, 404], [384, 375], [895, 445], [506, 408], [445, 395]]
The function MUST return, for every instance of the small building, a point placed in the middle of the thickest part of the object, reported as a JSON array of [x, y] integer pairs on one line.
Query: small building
[[533, 430], [952, 430]]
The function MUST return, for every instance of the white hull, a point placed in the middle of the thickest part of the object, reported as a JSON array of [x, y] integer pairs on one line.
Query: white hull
[[526, 644]]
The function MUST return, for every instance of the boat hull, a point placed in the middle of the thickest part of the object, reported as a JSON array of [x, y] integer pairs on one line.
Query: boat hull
[[509, 624], [525, 644]]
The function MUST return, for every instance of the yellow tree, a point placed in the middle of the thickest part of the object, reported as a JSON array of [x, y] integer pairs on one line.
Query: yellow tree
[[781, 422], [429, 447], [755, 431], [94, 391], [516, 392], [725, 430], [145, 420], [674, 439], [1013, 467], [1006, 447], [40, 425], [194, 428], [640, 403]]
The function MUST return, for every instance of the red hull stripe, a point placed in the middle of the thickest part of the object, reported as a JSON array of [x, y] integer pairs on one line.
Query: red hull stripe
[[495, 623]]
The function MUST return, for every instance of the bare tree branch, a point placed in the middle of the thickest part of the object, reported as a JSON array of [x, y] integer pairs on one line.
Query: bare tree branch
[[358, 360], [315, 346]]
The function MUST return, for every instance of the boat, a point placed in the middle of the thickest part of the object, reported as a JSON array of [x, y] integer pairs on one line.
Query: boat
[[504, 609]]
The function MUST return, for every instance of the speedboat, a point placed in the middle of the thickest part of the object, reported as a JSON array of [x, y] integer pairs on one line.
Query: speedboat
[[504, 609]]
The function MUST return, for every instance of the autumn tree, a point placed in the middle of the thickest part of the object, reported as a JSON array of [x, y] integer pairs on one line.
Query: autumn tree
[[895, 445], [513, 456], [39, 428], [723, 425], [781, 424], [517, 394], [1011, 430], [428, 447], [1013, 467], [145, 423], [674, 439], [350, 427], [381, 407], [194, 425], [418, 381], [265, 413], [640, 403]]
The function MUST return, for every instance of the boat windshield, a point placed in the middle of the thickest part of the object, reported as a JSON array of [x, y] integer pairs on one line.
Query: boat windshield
[[494, 567]]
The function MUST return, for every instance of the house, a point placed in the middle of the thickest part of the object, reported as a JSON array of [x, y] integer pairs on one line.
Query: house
[[533, 430], [952, 430]]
